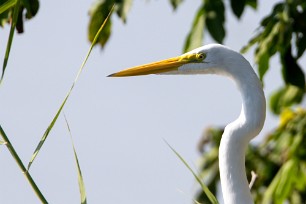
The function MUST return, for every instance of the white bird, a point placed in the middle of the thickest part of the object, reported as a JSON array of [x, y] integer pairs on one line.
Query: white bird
[[221, 60]]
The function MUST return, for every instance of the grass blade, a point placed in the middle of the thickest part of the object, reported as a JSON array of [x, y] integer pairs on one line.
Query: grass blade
[[205, 189], [7, 5], [44, 137], [80, 177], [10, 39], [21, 166]]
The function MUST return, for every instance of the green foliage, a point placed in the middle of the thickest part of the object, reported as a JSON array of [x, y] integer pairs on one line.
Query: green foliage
[[283, 32], [238, 7], [285, 97], [210, 16], [4, 6], [27, 10], [214, 10], [175, 3], [279, 161], [208, 146], [98, 14], [13, 12]]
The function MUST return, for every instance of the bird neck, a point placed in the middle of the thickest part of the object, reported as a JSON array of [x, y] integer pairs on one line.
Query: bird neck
[[236, 137]]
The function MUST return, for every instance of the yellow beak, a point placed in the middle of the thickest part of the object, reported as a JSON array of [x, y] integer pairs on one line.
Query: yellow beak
[[167, 65]]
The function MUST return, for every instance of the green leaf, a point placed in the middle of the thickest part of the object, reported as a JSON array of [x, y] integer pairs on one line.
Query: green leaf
[[46, 134], [238, 7], [80, 177], [274, 36], [252, 3], [285, 183], [281, 184], [195, 37], [210, 196], [7, 5], [251, 42], [98, 13], [31, 7], [214, 19], [262, 59], [267, 47], [292, 72], [268, 194], [285, 97], [123, 7], [300, 44], [278, 8], [175, 3]]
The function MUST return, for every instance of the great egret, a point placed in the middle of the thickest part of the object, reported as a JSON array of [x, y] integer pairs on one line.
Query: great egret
[[218, 59]]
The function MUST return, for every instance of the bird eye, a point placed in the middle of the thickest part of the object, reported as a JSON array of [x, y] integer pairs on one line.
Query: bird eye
[[201, 56]]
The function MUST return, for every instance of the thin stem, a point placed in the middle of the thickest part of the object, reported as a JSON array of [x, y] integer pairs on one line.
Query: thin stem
[[10, 39], [21, 166]]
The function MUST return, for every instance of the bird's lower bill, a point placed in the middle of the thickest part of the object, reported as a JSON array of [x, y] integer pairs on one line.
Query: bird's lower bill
[[168, 65]]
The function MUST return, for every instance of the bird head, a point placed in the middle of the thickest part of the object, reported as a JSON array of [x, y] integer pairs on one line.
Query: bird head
[[212, 58]]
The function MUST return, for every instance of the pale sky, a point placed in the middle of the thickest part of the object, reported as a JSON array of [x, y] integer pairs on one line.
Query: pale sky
[[118, 124]]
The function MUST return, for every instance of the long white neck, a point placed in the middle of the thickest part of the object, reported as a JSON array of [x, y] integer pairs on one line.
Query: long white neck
[[237, 135]]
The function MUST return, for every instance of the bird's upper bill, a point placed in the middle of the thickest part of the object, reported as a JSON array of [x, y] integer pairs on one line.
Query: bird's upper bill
[[163, 66]]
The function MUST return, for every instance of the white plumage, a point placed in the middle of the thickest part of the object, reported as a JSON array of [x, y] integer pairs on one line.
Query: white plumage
[[221, 60]]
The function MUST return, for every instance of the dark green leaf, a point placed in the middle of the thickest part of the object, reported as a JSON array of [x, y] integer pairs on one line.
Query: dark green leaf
[[123, 8], [285, 97], [5, 17], [195, 37], [214, 19], [252, 3], [238, 7], [6, 5], [175, 3], [300, 44], [19, 23], [276, 9], [292, 72], [98, 14], [31, 7]]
